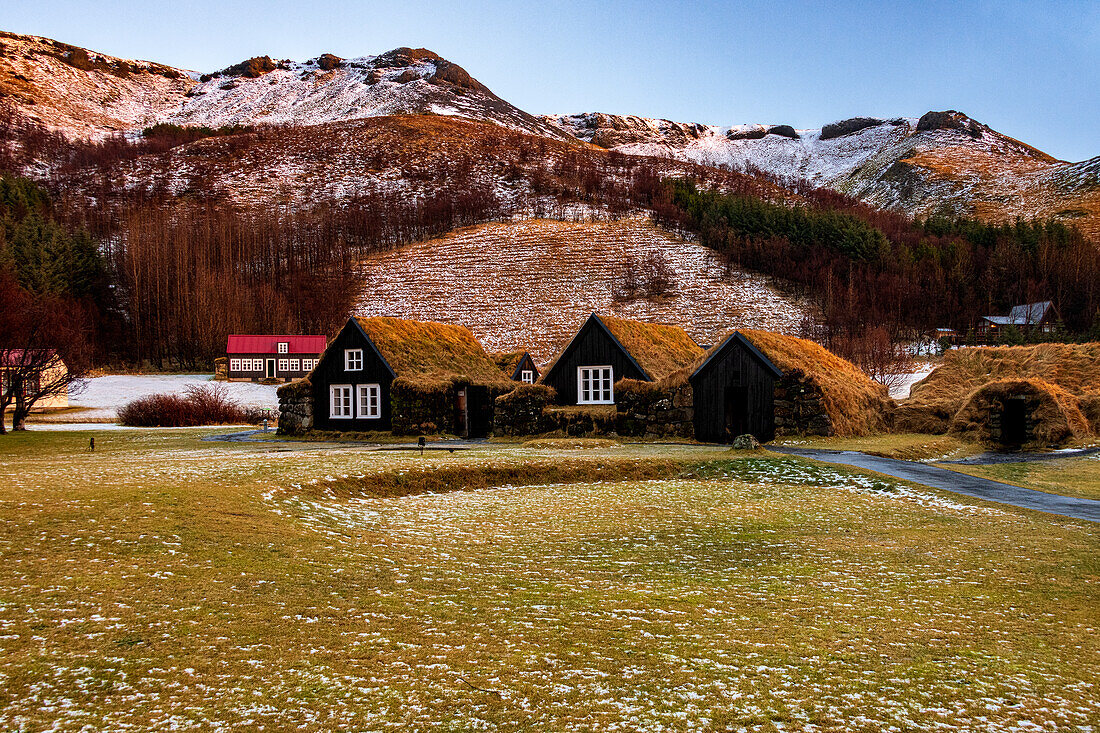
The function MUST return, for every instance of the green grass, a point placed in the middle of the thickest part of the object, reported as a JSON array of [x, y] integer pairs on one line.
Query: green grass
[[1067, 476], [167, 582], [903, 446]]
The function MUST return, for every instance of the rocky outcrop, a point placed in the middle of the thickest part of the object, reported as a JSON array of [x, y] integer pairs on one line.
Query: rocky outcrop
[[847, 127], [950, 120]]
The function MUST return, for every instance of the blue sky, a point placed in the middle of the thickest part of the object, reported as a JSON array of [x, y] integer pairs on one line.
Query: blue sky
[[1028, 69]]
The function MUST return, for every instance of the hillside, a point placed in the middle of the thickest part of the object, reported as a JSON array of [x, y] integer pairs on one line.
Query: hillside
[[531, 284], [942, 162]]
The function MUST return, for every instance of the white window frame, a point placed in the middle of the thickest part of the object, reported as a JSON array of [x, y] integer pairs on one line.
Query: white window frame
[[257, 365], [336, 411], [284, 365], [363, 410], [295, 365], [284, 347], [234, 365], [596, 385], [353, 360], [308, 364], [527, 376]]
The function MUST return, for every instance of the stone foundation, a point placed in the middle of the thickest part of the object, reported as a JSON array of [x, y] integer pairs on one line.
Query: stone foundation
[[295, 407], [800, 407]]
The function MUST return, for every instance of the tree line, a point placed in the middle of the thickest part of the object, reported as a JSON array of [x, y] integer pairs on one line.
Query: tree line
[[869, 269]]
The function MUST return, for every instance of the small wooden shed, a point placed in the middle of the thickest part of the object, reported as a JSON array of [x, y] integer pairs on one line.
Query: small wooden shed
[[517, 365], [734, 392]]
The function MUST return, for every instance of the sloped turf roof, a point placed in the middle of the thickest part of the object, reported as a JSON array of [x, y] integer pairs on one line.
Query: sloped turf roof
[[1073, 367], [425, 350], [659, 349], [508, 361]]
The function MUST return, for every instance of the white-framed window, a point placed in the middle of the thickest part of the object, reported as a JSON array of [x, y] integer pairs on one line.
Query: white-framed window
[[339, 401], [234, 365], [353, 360], [284, 347], [308, 364], [369, 406], [257, 365], [527, 376], [295, 365], [284, 365], [594, 386]]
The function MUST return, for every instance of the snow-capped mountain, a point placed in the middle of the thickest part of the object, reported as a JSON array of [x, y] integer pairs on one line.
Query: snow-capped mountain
[[82, 93], [939, 162], [942, 161]]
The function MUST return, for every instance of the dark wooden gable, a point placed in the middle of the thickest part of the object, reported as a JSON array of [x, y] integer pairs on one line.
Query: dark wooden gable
[[526, 362], [593, 345], [330, 370], [734, 393]]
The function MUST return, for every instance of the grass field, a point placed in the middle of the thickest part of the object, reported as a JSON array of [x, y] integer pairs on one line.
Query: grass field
[[1069, 477], [164, 582]]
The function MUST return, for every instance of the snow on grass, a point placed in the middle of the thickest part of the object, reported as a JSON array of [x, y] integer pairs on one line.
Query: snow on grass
[[532, 283], [101, 397], [169, 583]]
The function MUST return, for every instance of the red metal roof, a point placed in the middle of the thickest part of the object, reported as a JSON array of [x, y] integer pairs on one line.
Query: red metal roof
[[268, 344]]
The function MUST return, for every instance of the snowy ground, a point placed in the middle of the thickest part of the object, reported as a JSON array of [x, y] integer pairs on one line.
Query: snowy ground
[[102, 396], [900, 391]]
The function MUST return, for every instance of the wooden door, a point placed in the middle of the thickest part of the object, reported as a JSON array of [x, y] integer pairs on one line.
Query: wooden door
[[462, 413]]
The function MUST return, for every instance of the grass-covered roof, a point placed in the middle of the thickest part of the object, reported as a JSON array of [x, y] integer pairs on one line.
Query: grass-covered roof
[[508, 361], [424, 350], [659, 349]]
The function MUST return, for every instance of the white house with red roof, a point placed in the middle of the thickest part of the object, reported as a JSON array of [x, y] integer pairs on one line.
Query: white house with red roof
[[256, 358]]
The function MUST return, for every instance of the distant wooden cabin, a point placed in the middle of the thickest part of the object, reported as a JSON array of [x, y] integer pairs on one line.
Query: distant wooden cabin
[[405, 376], [255, 358], [54, 370], [606, 350], [517, 366], [733, 389], [1028, 318]]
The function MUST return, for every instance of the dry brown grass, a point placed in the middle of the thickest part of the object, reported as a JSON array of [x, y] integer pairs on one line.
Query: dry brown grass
[[1073, 367], [508, 361], [1057, 418], [423, 351], [857, 404], [1070, 368], [659, 349]]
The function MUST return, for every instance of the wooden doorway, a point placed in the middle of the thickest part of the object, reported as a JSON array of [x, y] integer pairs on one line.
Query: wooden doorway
[[269, 370], [1014, 421], [736, 411], [462, 412]]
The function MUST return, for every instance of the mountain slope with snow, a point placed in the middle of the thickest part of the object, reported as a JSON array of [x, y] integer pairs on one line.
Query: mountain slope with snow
[[941, 162], [83, 94]]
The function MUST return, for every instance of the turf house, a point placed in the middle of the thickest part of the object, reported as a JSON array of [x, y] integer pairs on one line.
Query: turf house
[[390, 374], [1010, 396]]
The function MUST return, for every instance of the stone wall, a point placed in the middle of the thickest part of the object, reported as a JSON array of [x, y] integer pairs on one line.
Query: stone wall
[[800, 406], [649, 410], [295, 407], [522, 411]]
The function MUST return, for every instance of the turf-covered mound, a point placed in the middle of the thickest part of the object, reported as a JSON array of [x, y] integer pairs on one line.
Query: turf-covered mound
[[1049, 415], [853, 403], [935, 400]]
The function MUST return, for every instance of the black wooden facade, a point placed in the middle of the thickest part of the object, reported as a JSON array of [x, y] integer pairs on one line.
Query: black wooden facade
[[526, 363], [593, 346], [331, 371], [734, 393]]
